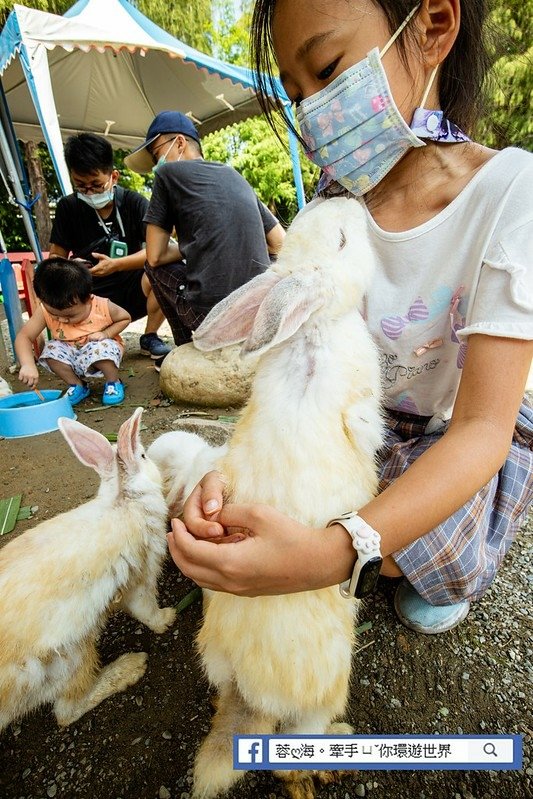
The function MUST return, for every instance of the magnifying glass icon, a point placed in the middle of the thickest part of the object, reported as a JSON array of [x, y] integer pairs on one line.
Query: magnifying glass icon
[[490, 749]]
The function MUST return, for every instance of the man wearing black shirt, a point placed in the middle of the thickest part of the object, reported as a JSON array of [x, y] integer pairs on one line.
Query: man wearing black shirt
[[101, 221]]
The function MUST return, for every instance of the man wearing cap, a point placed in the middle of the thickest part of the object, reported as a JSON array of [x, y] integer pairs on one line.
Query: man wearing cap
[[225, 234]]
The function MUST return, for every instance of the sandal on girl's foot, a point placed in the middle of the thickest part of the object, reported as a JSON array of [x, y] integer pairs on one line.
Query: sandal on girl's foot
[[77, 393], [113, 393], [419, 615]]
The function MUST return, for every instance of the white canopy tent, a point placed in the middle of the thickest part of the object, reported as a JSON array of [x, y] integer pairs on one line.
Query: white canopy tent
[[105, 68]]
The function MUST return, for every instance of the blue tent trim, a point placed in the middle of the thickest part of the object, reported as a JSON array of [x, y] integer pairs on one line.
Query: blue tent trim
[[10, 40], [76, 9]]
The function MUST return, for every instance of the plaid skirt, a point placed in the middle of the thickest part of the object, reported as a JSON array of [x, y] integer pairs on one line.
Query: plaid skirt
[[459, 558]]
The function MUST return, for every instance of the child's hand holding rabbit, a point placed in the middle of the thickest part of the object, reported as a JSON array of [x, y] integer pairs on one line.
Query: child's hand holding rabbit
[[273, 555]]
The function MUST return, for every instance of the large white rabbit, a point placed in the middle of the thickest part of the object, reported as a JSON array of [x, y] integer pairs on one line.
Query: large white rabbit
[[61, 580], [306, 445]]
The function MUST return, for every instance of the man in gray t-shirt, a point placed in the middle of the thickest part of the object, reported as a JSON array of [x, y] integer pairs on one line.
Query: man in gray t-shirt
[[225, 234]]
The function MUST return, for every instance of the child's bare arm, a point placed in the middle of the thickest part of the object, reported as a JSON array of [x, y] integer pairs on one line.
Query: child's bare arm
[[23, 347], [120, 320]]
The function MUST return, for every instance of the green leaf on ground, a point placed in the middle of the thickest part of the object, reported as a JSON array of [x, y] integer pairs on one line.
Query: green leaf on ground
[[193, 596], [24, 513], [9, 509], [111, 436], [364, 627]]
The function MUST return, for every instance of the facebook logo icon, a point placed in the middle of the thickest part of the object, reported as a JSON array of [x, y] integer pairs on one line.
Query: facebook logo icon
[[250, 750]]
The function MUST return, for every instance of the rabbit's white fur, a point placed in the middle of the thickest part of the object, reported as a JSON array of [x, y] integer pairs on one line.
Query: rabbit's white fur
[[306, 445], [60, 581], [183, 459], [5, 388]]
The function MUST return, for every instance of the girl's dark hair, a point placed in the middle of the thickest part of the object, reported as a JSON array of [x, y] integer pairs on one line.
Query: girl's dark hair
[[461, 75], [61, 283], [88, 153]]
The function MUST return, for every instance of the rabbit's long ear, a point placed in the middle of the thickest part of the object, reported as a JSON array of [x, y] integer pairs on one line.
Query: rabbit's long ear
[[285, 309], [231, 320], [89, 446], [128, 440]]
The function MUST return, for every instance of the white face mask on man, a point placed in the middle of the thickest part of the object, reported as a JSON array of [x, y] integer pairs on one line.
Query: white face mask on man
[[100, 200], [163, 159]]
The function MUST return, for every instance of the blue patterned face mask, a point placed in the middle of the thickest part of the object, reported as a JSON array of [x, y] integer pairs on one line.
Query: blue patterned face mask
[[354, 131]]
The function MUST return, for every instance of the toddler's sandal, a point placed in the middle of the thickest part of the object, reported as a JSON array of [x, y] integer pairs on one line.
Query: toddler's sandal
[[113, 393], [77, 393]]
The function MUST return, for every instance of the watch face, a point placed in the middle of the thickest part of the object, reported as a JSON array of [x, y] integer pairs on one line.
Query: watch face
[[368, 577]]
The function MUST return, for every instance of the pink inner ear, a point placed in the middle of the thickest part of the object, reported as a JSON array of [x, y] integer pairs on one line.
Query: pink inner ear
[[284, 310], [232, 319], [128, 437], [89, 446]]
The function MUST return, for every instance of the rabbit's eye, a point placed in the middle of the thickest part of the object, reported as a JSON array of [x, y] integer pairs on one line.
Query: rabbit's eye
[[343, 240], [143, 456]]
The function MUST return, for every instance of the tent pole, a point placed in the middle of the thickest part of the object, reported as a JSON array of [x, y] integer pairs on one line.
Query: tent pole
[[37, 73], [13, 176]]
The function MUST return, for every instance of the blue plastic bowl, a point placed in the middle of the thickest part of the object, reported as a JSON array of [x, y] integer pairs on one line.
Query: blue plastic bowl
[[25, 414]]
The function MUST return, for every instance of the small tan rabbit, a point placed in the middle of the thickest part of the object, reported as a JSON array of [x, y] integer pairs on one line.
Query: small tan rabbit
[[305, 444], [60, 581]]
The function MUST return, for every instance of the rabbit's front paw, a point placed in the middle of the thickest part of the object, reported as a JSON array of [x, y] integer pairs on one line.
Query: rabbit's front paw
[[163, 620]]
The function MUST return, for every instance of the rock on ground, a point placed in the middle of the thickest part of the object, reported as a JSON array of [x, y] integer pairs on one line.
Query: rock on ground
[[213, 379]]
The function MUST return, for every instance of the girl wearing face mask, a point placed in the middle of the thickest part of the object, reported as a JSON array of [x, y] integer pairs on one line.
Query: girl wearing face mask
[[386, 95]]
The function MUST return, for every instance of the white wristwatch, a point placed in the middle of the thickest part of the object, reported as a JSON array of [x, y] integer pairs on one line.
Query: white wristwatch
[[366, 542]]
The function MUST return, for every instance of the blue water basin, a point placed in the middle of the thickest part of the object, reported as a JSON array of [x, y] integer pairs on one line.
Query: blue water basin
[[24, 414]]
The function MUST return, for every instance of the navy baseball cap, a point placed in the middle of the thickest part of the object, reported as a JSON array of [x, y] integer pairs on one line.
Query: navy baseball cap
[[140, 159]]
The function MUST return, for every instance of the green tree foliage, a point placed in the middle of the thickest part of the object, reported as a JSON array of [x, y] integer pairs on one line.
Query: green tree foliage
[[53, 6], [187, 20], [509, 116], [230, 36]]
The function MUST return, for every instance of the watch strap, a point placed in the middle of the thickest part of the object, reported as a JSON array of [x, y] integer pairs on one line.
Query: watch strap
[[366, 541]]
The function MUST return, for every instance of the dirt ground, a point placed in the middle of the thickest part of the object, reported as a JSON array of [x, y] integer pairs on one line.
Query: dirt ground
[[141, 744]]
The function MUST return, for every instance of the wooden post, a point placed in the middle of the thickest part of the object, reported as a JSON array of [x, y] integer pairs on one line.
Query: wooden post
[[41, 209]]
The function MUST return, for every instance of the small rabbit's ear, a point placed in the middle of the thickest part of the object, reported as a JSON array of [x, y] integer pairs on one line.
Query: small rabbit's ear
[[128, 439], [284, 310], [232, 319], [89, 446]]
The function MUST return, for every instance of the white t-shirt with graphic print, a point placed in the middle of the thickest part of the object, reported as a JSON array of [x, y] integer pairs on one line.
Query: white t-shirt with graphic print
[[467, 270]]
